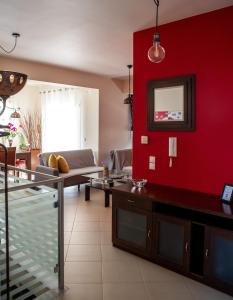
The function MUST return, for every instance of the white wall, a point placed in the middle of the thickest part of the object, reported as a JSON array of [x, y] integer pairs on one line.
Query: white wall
[[28, 99], [91, 121], [113, 114]]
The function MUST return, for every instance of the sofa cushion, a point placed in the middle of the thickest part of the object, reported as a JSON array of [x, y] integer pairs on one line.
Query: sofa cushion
[[75, 158], [81, 171], [52, 161], [62, 164]]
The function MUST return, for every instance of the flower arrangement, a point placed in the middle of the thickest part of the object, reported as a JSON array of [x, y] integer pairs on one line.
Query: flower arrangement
[[12, 131]]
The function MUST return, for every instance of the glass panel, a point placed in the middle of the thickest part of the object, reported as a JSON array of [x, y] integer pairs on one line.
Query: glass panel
[[222, 262], [33, 233], [171, 242], [169, 104], [132, 227]]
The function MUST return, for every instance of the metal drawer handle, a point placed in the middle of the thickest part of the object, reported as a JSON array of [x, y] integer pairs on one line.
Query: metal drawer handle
[[131, 201], [148, 234], [186, 247], [207, 253]]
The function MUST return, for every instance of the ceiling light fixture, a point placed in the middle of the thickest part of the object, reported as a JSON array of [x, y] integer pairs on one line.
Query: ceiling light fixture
[[16, 36], [10, 82], [156, 53], [129, 100], [16, 113]]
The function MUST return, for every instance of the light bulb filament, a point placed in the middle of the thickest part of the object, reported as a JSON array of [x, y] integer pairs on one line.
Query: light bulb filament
[[156, 50]]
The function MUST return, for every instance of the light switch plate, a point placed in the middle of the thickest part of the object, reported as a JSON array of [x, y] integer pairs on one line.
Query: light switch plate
[[151, 166], [144, 139], [152, 159]]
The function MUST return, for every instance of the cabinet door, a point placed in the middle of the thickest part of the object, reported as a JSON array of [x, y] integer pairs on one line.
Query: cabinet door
[[132, 229], [171, 242], [219, 258]]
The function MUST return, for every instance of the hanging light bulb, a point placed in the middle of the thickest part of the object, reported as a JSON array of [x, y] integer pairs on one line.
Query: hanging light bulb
[[156, 53]]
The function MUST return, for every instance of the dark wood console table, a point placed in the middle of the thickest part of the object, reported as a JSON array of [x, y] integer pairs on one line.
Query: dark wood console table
[[25, 155], [186, 231]]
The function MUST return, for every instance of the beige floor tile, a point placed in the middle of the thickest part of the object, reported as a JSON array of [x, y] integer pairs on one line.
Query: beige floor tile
[[154, 273], [68, 226], [83, 272], [82, 292], [65, 251], [85, 217], [110, 253], [105, 226], [121, 272], [67, 235], [124, 291], [203, 292], [168, 291], [84, 253], [107, 217], [86, 226], [106, 238], [85, 238], [69, 218]]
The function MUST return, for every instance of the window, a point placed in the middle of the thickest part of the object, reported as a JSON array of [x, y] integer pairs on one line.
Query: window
[[62, 122]]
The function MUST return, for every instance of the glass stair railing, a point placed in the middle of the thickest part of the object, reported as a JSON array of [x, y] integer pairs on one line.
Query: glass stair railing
[[35, 231]]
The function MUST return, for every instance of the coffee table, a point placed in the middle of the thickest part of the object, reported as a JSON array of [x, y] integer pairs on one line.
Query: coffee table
[[99, 182]]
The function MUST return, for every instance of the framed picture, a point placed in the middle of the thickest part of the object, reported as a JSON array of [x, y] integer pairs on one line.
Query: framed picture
[[171, 104], [227, 194]]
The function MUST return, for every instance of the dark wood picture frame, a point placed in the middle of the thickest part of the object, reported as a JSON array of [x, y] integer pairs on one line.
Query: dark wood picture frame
[[188, 123], [223, 196]]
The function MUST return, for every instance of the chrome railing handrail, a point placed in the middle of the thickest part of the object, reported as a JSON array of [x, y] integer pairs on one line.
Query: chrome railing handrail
[[52, 179]]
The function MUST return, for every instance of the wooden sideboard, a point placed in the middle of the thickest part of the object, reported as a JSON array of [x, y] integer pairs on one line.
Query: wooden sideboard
[[25, 155], [186, 231]]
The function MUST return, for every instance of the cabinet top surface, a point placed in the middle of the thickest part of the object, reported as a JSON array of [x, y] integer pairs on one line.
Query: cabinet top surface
[[193, 200]]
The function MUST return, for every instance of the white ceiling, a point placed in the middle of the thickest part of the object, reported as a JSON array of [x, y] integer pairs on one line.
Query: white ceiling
[[90, 35]]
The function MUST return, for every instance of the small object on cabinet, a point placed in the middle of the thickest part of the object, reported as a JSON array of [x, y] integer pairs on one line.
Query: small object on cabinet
[[227, 194], [139, 183]]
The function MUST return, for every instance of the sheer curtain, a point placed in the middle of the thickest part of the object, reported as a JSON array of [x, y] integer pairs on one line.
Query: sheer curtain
[[62, 124]]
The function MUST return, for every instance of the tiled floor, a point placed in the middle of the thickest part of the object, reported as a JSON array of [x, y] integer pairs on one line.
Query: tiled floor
[[94, 270]]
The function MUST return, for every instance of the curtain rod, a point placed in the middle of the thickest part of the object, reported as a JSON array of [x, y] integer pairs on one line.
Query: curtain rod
[[56, 90]]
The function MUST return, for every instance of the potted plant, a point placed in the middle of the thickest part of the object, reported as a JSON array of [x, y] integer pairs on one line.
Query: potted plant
[[31, 126]]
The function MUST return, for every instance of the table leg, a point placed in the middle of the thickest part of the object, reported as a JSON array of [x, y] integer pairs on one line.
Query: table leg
[[87, 192], [107, 196]]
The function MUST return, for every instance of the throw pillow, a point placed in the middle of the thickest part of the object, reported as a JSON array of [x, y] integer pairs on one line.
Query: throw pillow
[[52, 161], [62, 164]]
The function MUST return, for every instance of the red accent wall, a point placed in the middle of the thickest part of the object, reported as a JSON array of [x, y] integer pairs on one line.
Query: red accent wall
[[201, 45]]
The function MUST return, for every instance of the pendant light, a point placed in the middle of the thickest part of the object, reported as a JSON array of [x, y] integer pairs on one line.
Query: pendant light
[[156, 53], [10, 82], [129, 100]]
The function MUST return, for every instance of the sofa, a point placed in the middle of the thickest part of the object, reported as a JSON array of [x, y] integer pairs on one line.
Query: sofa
[[80, 162], [121, 160]]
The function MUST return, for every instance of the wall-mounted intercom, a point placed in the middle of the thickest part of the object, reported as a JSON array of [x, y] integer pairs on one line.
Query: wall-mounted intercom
[[172, 149]]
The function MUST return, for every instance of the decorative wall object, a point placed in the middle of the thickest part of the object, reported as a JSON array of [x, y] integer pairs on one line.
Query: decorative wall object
[[171, 104], [31, 126]]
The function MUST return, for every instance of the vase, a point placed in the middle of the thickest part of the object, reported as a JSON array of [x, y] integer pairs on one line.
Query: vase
[[34, 158], [10, 142]]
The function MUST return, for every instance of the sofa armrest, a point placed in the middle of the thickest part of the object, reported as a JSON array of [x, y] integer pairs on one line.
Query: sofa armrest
[[46, 170]]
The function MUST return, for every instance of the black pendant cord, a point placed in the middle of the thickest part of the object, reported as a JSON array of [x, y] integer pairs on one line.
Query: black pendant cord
[[6, 223], [157, 14], [129, 81], [129, 67], [16, 36]]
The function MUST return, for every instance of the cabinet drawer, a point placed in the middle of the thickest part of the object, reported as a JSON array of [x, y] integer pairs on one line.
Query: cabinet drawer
[[131, 201]]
